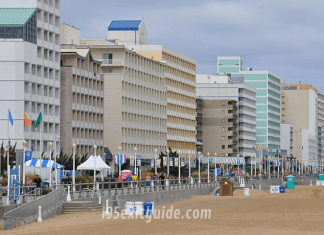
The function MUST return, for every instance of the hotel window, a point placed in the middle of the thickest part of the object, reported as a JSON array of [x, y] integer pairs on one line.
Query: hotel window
[[223, 129], [223, 103], [223, 120], [223, 138], [107, 58], [107, 70], [223, 146], [223, 112]]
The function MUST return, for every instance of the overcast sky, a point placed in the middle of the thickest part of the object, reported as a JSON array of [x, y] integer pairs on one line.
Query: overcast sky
[[284, 37]]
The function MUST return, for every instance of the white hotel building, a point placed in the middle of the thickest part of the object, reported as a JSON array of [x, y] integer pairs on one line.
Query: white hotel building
[[30, 71], [209, 87]]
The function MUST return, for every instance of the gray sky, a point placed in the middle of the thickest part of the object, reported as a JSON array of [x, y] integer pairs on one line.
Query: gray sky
[[282, 36]]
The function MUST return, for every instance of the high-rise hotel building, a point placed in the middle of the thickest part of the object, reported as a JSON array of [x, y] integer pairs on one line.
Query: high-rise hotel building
[[268, 100], [30, 71], [82, 93], [180, 77], [134, 96]]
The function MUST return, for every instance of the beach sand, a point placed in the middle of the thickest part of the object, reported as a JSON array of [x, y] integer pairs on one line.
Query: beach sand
[[298, 211]]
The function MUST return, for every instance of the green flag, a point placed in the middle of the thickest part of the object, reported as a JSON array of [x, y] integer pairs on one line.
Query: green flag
[[39, 119]]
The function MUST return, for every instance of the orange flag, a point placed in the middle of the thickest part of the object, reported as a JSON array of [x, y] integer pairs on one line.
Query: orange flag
[[27, 122]]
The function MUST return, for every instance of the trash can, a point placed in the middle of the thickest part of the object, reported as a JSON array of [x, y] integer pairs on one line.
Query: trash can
[[320, 177], [247, 192], [272, 189], [129, 208], [290, 182], [138, 208], [148, 208], [277, 189], [282, 189]]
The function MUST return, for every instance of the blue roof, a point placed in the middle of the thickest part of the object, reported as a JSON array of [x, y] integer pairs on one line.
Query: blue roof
[[124, 25]]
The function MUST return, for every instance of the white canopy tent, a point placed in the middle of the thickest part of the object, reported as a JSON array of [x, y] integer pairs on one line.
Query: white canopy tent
[[95, 162]]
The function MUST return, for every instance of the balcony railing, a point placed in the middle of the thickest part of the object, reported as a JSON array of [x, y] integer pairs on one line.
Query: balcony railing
[[110, 62]]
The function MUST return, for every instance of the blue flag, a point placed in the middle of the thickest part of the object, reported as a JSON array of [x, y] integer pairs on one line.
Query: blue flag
[[28, 155], [10, 118]]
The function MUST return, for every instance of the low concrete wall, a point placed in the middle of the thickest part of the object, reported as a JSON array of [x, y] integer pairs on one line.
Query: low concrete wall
[[161, 197], [5, 209]]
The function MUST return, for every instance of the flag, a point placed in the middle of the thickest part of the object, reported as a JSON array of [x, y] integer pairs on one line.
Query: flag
[[302, 147], [39, 119], [254, 147], [27, 122], [10, 118], [299, 148], [266, 149]]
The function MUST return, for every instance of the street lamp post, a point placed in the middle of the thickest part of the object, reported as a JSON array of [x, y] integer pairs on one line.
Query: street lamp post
[[189, 167], [50, 145], [55, 170], [238, 163], [135, 169], [208, 167], [251, 166], [94, 166], [168, 152], [73, 180], [119, 152], [199, 165], [215, 168], [24, 143], [226, 163], [255, 164], [179, 165], [155, 153]]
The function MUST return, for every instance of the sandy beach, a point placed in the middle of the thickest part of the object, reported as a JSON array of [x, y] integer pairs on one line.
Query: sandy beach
[[298, 211]]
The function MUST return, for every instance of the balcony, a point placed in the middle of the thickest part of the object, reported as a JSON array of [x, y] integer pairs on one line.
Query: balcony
[[108, 62]]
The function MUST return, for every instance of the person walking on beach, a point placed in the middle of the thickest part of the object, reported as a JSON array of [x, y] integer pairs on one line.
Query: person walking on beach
[[38, 183], [162, 178], [148, 180], [134, 177], [29, 184], [119, 180], [130, 178]]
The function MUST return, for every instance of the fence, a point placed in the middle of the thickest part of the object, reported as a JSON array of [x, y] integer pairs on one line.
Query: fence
[[51, 205], [26, 194], [85, 190]]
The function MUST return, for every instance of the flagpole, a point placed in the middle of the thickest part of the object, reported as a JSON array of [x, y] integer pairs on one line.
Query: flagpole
[[8, 166], [261, 157], [41, 145]]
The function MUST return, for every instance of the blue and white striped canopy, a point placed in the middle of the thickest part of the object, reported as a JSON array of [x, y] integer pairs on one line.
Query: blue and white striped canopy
[[43, 163], [223, 160]]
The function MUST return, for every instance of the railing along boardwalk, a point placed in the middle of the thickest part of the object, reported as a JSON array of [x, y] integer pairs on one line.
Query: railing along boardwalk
[[51, 205]]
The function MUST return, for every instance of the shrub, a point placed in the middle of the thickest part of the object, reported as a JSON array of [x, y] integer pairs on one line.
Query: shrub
[[83, 179]]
